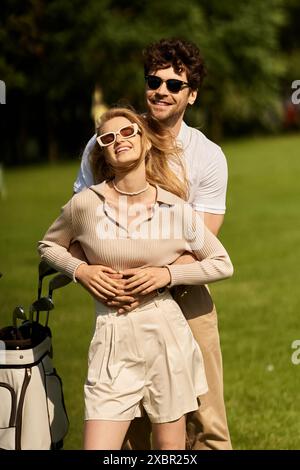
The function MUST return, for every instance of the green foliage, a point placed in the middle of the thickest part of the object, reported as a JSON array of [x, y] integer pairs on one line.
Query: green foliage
[[54, 52], [290, 42], [243, 60]]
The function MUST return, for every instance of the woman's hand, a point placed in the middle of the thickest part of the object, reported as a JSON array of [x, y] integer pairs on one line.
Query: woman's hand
[[95, 279], [145, 280]]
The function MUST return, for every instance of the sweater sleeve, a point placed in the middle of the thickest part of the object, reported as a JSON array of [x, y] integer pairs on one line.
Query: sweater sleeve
[[213, 260], [57, 241]]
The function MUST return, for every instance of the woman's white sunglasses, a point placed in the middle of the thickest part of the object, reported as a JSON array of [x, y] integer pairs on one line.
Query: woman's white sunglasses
[[110, 137]]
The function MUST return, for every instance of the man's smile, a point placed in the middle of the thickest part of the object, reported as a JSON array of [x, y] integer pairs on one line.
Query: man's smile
[[158, 102]]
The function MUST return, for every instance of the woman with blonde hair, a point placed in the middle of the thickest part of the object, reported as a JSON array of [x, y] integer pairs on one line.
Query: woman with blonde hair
[[147, 359]]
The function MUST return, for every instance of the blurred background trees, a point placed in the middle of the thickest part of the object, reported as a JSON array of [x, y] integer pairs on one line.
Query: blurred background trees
[[54, 53]]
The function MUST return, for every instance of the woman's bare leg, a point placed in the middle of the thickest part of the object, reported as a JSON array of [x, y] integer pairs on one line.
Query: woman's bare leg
[[169, 436], [104, 435]]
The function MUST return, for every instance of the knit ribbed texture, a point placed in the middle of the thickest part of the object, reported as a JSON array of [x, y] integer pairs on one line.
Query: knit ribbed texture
[[165, 236]]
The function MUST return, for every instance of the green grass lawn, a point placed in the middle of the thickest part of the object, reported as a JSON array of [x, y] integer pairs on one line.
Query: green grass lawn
[[258, 308]]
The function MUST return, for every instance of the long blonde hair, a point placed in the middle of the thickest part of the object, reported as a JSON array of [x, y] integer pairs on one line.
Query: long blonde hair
[[163, 151]]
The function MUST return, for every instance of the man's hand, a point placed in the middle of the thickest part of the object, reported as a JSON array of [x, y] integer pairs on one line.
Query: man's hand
[[145, 280], [113, 289], [141, 285], [101, 281], [131, 300]]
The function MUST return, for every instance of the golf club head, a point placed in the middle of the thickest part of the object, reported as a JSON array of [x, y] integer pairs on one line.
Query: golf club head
[[57, 282], [45, 269], [18, 314], [44, 304], [1, 274]]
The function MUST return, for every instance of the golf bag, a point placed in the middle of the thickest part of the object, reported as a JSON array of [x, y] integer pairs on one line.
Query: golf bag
[[32, 410]]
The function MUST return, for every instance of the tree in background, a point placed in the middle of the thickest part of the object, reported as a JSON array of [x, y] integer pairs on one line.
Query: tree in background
[[290, 45], [245, 65], [47, 91], [54, 52]]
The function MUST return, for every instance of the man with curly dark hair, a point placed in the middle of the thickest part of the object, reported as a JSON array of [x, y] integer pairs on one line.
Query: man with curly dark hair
[[184, 56], [174, 71]]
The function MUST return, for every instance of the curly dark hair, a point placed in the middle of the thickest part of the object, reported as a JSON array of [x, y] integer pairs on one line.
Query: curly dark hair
[[180, 54]]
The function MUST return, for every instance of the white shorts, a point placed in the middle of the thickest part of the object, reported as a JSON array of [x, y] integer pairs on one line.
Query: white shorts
[[147, 358]]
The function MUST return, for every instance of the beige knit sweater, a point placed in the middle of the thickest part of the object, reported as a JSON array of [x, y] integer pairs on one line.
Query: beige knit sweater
[[156, 240]]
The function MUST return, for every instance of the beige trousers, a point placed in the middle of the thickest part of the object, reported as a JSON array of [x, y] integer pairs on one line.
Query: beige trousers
[[206, 428]]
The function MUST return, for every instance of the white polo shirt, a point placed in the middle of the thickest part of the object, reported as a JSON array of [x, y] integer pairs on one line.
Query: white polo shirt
[[206, 169]]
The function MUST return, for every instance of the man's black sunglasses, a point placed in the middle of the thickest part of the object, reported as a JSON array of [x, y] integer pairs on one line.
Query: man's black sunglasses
[[173, 85]]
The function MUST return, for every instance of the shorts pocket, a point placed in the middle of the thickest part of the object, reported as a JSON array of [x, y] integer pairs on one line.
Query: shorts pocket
[[96, 355], [177, 312]]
